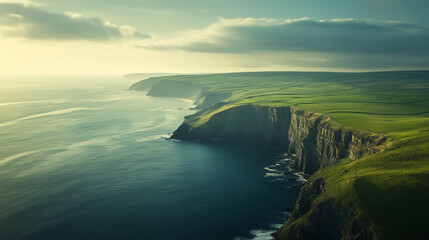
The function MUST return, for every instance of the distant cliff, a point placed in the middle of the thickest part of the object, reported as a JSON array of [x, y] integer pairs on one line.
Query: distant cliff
[[140, 76], [159, 87]]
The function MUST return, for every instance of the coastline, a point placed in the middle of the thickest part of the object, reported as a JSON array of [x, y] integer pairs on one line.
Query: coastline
[[323, 150], [298, 165], [287, 173]]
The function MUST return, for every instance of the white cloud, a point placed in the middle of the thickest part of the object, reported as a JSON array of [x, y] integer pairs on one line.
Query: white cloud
[[29, 21]]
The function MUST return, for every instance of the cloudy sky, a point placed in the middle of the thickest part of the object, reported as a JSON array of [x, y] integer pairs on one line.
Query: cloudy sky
[[123, 36]]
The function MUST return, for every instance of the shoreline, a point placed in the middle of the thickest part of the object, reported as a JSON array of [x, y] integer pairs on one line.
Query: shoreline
[[295, 168], [325, 150]]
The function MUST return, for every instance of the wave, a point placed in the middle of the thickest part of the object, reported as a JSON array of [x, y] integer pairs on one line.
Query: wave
[[19, 155], [275, 174], [155, 137], [57, 112], [278, 170], [266, 233], [168, 119], [47, 163], [270, 169], [108, 99], [89, 142], [259, 234], [281, 171], [300, 177], [65, 100], [57, 101], [187, 100]]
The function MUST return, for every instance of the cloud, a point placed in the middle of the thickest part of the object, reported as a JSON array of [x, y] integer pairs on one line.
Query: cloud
[[27, 20], [243, 35]]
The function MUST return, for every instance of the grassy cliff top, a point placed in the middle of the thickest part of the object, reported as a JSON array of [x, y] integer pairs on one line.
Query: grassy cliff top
[[393, 103]]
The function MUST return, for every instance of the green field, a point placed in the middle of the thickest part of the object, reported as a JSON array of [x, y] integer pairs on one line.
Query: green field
[[393, 103], [390, 188]]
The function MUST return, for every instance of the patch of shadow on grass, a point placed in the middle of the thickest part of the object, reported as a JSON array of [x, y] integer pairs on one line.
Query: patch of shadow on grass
[[401, 210]]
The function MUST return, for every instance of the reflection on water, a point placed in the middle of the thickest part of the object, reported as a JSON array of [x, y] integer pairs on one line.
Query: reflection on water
[[83, 159]]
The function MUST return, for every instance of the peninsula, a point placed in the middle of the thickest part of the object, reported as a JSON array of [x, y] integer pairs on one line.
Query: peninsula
[[363, 137]]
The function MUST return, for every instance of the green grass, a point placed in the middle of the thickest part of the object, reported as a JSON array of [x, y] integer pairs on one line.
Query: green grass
[[393, 103], [390, 188]]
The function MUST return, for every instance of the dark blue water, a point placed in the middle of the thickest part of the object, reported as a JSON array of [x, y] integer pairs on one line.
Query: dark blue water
[[83, 158]]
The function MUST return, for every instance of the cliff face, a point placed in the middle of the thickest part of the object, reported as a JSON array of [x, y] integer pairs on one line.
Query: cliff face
[[242, 124], [324, 219], [316, 140]]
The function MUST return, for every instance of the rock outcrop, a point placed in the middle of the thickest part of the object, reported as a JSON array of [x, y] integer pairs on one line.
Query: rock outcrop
[[325, 220]]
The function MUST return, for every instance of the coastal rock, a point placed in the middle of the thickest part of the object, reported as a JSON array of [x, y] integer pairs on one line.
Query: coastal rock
[[324, 219]]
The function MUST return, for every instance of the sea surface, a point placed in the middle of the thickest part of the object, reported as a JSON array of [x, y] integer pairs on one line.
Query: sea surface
[[81, 157]]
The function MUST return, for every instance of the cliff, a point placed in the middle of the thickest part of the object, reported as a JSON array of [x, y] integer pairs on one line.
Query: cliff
[[159, 87], [327, 219], [170, 88], [358, 188], [315, 139]]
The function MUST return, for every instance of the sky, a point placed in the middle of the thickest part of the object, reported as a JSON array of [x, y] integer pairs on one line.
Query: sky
[[196, 36]]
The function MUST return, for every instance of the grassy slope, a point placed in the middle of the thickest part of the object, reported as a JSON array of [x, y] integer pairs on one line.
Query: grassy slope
[[394, 103], [392, 187]]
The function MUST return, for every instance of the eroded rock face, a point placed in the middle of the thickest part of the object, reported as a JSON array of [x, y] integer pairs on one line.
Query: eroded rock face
[[325, 219], [248, 123], [319, 142], [316, 140], [322, 221]]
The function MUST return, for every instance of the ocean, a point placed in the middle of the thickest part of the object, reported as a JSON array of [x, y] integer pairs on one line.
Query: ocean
[[82, 157]]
